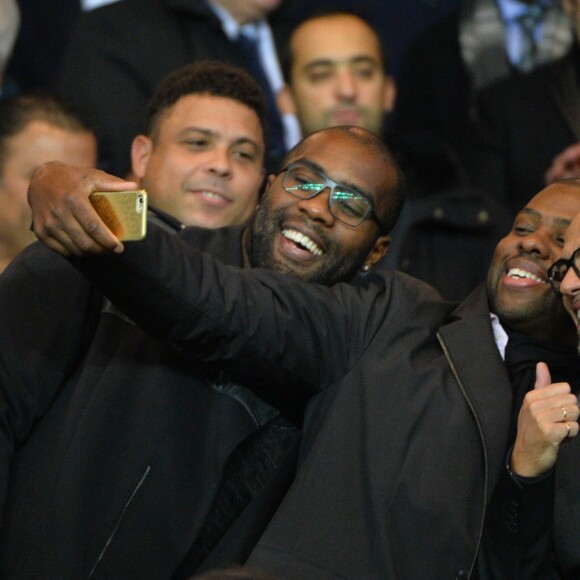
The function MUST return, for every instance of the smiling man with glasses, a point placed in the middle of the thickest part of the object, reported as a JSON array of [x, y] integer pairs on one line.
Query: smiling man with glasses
[[323, 216]]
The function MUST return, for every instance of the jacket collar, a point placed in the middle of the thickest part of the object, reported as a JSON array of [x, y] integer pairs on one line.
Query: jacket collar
[[471, 350]]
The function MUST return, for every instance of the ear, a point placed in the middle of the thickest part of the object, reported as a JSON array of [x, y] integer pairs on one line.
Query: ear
[[266, 187], [269, 182], [389, 94], [285, 102], [140, 153], [378, 251]]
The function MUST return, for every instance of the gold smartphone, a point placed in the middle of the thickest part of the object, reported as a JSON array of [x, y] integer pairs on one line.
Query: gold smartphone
[[124, 212]]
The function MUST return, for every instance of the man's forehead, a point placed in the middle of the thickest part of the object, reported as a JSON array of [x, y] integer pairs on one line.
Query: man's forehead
[[344, 159], [559, 203], [214, 114], [332, 149], [196, 104], [310, 41]]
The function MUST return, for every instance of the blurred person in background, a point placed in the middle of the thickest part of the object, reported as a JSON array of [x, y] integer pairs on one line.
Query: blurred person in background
[[34, 130], [9, 26]]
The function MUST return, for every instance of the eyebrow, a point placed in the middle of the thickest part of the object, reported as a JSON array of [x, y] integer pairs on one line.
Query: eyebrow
[[217, 134], [563, 222], [332, 62], [320, 169]]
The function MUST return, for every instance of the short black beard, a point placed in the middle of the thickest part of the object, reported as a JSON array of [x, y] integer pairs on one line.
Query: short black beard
[[335, 266]]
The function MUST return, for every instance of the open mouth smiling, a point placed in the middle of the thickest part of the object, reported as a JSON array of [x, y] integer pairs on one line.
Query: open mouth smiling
[[519, 274], [302, 241]]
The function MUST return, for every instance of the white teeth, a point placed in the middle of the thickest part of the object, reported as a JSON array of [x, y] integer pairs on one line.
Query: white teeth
[[212, 194], [519, 273], [304, 241]]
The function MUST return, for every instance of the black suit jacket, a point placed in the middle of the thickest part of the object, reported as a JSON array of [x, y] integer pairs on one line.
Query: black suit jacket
[[45, 30], [112, 446], [434, 92], [525, 122]]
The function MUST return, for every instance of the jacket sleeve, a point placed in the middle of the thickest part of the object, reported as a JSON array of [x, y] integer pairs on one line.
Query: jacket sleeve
[[517, 539], [46, 314], [276, 334]]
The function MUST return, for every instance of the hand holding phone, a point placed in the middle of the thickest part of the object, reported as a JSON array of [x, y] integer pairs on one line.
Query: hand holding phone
[[124, 212]]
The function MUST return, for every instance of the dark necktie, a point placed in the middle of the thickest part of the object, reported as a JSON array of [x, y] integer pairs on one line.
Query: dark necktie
[[528, 22], [275, 130]]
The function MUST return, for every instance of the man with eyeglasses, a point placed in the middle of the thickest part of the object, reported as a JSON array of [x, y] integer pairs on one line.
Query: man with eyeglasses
[[126, 460]]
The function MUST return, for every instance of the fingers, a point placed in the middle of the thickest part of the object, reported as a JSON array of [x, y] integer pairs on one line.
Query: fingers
[[78, 230], [72, 226], [543, 378], [569, 430], [565, 164], [553, 398], [548, 417], [63, 217], [554, 410]]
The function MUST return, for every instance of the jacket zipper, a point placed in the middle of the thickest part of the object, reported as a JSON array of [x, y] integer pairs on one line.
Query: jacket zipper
[[124, 510], [485, 460]]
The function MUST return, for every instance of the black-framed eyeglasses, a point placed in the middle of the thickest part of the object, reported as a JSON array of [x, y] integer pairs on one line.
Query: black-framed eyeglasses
[[558, 270], [346, 204]]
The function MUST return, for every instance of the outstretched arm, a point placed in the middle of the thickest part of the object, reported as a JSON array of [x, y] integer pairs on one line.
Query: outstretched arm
[[270, 330]]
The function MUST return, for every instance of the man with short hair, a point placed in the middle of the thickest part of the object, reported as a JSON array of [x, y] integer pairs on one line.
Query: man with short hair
[[408, 427], [201, 157], [34, 129], [337, 74], [120, 459]]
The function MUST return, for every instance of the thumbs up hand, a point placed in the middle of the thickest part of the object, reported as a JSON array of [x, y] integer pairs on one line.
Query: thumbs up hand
[[548, 417]]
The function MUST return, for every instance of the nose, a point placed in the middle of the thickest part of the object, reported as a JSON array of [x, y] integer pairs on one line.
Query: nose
[[317, 208], [218, 162], [537, 242], [570, 285], [346, 87]]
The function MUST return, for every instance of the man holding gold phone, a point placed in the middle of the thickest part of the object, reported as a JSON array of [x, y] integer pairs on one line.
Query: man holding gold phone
[[120, 458]]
